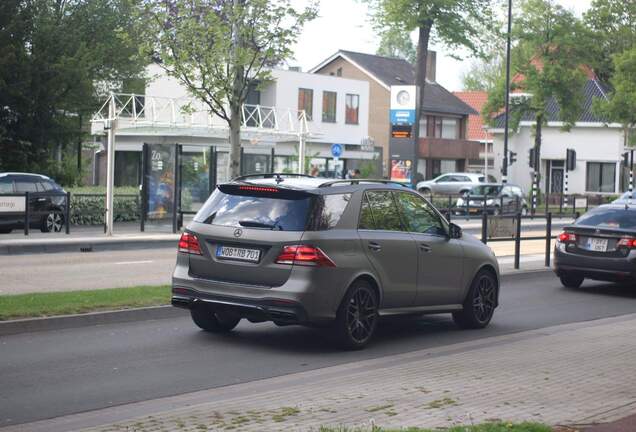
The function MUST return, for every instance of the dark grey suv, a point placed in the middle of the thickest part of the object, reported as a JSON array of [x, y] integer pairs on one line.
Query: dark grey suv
[[303, 250]]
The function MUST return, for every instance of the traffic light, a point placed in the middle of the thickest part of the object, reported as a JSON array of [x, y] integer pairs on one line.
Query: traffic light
[[626, 159], [512, 157], [570, 159], [531, 158]]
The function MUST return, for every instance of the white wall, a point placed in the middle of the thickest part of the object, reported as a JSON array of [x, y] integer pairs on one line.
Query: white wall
[[592, 144]]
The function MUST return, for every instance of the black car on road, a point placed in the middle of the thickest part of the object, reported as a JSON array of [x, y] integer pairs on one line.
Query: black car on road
[[46, 202], [494, 198], [601, 245]]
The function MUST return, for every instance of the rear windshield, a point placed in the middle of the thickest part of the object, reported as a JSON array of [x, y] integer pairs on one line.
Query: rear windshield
[[485, 190], [286, 212], [609, 218]]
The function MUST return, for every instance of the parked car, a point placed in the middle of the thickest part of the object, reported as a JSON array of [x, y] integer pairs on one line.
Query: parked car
[[46, 205], [335, 253], [452, 183], [600, 245], [624, 199], [496, 199]]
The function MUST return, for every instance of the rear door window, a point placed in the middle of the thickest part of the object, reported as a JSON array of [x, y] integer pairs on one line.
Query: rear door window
[[256, 207], [24, 185], [384, 211]]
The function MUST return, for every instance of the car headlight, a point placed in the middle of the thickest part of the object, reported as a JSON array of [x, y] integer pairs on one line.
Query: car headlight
[[490, 202], [460, 202]]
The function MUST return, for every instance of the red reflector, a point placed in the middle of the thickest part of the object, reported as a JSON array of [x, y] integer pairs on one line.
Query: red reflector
[[189, 243], [627, 242], [258, 189], [304, 255], [567, 237]]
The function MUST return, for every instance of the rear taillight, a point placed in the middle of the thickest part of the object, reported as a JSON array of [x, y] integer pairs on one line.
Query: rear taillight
[[627, 242], [567, 237], [304, 255], [189, 243]]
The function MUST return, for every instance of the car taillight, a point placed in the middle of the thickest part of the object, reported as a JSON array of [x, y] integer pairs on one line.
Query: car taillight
[[567, 237], [304, 255], [189, 243], [628, 242]]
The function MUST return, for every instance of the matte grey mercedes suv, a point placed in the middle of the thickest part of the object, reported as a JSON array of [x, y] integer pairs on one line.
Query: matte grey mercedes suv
[[303, 250]]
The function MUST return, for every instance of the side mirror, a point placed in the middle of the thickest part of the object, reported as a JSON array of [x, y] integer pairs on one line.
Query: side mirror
[[455, 231]]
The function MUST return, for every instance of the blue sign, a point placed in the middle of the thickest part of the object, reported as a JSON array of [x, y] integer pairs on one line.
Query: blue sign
[[400, 117], [336, 150]]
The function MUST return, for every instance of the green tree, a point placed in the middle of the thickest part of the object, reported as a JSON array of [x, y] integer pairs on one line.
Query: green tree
[[219, 49], [484, 74], [612, 31], [455, 23], [621, 104], [56, 55], [547, 62], [398, 44]]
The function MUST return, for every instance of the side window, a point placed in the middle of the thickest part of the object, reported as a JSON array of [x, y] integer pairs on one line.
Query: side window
[[419, 215], [384, 211], [6, 185], [366, 217], [23, 185], [444, 179], [464, 179], [329, 210], [46, 186]]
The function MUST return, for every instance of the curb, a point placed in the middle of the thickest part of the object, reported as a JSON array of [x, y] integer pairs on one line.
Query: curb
[[20, 247], [61, 322]]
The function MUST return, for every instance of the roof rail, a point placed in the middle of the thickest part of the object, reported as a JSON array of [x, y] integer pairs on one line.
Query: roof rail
[[358, 181], [278, 176]]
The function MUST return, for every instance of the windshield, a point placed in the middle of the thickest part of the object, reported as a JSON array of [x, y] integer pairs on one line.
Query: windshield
[[609, 218], [486, 190]]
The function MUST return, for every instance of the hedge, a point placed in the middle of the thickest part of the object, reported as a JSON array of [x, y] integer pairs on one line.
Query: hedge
[[88, 205]]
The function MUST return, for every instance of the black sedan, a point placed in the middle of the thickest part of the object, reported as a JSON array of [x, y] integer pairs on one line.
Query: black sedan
[[601, 245]]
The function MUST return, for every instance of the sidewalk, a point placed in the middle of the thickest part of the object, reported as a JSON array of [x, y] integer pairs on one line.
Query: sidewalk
[[575, 374]]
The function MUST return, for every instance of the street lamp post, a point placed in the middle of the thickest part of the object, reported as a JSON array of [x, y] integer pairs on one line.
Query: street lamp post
[[504, 171]]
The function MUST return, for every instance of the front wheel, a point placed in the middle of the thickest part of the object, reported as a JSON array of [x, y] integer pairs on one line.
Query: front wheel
[[52, 222], [569, 280], [425, 191], [480, 302], [214, 322], [357, 316]]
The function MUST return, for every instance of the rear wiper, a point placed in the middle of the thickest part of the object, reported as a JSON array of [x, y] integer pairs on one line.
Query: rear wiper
[[256, 224]]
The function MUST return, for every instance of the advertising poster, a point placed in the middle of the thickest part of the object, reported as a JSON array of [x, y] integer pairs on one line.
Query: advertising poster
[[401, 170], [161, 181]]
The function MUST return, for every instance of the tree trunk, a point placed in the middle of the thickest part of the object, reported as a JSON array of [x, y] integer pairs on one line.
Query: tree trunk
[[235, 141], [423, 39], [236, 101]]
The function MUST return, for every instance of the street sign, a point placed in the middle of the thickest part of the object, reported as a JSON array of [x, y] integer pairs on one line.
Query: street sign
[[336, 150], [403, 102]]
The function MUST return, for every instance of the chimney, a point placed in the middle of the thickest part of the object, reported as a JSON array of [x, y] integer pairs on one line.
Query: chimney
[[431, 66]]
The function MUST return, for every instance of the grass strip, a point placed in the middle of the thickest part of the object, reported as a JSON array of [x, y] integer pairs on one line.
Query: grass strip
[[485, 427], [75, 302]]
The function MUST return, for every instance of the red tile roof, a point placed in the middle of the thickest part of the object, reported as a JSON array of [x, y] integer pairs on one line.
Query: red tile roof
[[477, 100]]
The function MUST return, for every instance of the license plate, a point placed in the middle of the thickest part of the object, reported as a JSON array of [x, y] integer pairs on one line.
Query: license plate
[[597, 244], [236, 253]]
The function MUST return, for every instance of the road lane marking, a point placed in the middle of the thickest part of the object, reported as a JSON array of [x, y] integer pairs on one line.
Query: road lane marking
[[134, 262]]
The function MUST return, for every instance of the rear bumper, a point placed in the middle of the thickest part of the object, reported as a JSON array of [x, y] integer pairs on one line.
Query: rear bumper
[[598, 268]]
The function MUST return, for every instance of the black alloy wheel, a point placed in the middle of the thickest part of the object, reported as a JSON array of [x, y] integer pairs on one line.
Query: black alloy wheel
[[357, 316], [480, 302]]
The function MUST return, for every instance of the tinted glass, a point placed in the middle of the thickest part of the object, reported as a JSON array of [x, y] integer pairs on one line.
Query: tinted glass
[[419, 215], [22, 186], [255, 211], [327, 211], [366, 217], [485, 190], [384, 210], [6, 186], [609, 218]]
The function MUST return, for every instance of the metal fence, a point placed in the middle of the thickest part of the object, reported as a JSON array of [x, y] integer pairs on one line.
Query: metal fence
[[46, 209]]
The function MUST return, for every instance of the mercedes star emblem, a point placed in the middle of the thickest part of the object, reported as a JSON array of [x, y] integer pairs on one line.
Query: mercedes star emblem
[[238, 232]]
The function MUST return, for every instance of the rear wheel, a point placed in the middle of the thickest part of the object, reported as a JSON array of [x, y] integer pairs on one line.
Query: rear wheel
[[52, 222], [480, 302], [570, 280], [357, 316], [5, 230], [214, 322]]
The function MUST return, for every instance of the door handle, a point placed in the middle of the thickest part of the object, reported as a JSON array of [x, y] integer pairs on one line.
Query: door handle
[[41, 199], [424, 247], [374, 246]]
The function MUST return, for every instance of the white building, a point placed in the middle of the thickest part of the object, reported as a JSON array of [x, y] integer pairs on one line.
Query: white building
[[598, 147], [336, 110]]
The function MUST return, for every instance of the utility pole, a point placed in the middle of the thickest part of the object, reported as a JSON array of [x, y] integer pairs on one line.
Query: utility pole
[[631, 178], [110, 165], [504, 170]]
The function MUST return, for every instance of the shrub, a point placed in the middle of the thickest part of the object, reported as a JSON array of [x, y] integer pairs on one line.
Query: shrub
[[88, 205]]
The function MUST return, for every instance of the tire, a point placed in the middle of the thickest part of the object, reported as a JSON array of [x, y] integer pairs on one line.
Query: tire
[[352, 329], [570, 280], [52, 222], [213, 322], [480, 302], [425, 191], [496, 211]]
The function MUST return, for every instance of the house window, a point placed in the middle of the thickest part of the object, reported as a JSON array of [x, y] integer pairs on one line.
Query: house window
[[601, 177], [450, 128], [306, 102], [423, 128], [329, 107], [352, 105], [339, 72]]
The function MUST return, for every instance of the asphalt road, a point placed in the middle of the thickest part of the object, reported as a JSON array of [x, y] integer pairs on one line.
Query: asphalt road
[[48, 374]]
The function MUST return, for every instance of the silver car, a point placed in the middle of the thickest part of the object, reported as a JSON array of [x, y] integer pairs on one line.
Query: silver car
[[452, 183], [340, 254]]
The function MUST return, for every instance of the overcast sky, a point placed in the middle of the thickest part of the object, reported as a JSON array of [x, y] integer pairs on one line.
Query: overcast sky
[[344, 24]]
